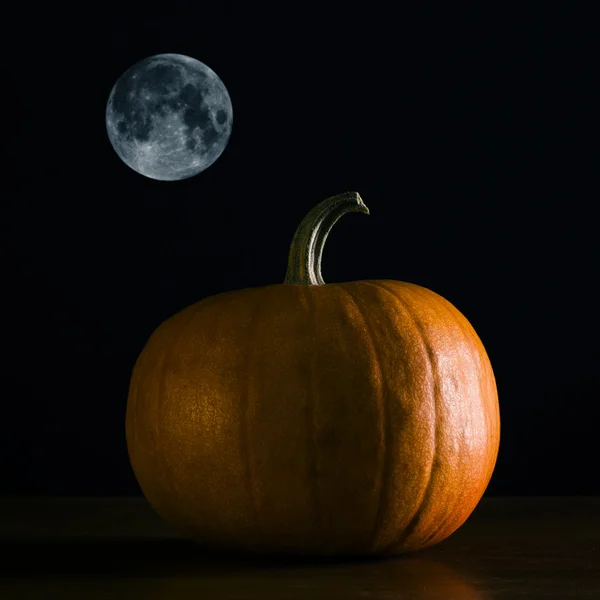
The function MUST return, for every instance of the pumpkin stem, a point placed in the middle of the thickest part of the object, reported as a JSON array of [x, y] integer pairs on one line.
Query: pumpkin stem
[[306, 250]]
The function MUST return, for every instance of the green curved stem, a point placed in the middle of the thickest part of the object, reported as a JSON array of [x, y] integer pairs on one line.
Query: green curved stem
[[306, 250]]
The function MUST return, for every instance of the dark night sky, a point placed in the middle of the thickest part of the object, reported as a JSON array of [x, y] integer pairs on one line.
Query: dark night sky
[[467, 133]]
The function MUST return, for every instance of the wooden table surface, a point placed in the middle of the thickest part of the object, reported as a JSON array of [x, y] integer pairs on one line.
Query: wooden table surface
[[118, 548]]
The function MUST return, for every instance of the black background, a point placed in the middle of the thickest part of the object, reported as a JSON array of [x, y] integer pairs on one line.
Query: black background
[[468, 133]]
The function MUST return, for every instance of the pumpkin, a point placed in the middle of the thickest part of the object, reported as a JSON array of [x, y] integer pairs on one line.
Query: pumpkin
[[340, 419]]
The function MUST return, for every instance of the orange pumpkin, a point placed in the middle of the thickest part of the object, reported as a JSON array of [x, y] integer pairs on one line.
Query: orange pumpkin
[[318, 419]]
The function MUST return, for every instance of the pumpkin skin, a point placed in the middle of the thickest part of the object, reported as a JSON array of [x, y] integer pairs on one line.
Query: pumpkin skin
[[340, 419]]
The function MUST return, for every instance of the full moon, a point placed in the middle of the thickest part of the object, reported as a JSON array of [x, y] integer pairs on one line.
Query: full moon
[[169, 117]]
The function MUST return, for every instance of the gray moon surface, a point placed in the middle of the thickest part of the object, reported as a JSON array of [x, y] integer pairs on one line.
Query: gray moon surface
[[169, 117]]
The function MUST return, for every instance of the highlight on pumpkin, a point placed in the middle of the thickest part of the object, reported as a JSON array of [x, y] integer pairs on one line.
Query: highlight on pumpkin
[[324, 420]]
